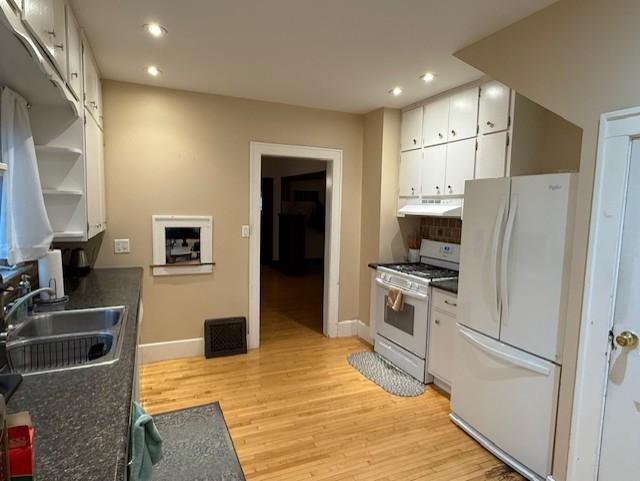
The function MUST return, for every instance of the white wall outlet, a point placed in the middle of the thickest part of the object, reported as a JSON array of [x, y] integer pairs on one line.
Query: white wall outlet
[[121, 246], [245, 231]]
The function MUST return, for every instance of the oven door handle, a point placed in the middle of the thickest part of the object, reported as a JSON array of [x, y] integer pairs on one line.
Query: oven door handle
[[415, 295]]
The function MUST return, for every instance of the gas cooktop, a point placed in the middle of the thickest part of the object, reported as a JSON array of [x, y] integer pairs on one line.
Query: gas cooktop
[[424, 271]]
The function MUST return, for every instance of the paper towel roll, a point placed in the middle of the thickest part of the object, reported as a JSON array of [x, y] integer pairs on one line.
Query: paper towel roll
[[50, 272]]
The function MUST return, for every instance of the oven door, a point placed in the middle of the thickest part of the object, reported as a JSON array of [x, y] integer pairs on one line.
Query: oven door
[[408, 327]]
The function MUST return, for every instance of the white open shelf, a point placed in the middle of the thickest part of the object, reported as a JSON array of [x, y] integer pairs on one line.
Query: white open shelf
[[62, 192], [58, 151]]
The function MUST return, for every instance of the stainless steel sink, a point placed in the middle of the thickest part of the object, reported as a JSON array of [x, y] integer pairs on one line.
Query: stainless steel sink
[[65, 340]]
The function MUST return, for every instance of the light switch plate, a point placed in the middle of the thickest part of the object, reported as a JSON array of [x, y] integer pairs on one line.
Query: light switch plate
[[121, 246], [245, 231]]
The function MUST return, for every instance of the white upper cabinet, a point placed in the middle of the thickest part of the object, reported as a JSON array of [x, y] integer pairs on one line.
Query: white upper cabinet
[[39, 18], [436, 122], [494, 107], [411, 131], [92, 85], [433, 170], [409, 179], [74, 55], [94, 158], [60, 37], [491, 159], [463, 115], [461, 158]]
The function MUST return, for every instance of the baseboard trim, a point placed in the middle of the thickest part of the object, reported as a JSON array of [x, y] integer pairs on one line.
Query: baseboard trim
[[163, 351], [354, 327]]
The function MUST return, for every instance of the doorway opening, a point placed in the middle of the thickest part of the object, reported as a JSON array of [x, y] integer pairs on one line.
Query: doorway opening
[[292, 239], [294, 260]]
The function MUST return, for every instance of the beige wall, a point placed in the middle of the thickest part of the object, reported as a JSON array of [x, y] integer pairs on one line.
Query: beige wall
[[176, 152], [384, 235], [578, 58]]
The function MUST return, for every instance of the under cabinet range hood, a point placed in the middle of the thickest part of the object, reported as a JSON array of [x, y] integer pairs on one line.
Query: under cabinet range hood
[[437, 208]]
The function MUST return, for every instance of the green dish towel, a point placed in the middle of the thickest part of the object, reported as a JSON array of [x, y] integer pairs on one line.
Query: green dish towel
[[145, 445]]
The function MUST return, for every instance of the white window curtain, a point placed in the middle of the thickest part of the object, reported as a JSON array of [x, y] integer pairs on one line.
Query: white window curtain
[[25, 230]]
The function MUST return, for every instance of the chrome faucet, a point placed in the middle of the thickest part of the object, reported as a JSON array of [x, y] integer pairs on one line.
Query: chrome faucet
[[12, 308]]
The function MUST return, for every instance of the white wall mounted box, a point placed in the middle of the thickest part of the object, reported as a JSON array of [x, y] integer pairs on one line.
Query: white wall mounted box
[[180, 259]]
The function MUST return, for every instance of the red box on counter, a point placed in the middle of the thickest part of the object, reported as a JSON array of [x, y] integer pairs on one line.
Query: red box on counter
[[21, 434]]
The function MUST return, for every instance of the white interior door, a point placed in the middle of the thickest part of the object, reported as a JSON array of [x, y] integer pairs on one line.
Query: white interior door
[[621, 429], [486, 206]]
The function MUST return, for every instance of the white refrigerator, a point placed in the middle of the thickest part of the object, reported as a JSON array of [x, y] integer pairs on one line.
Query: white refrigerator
[[512, 300]]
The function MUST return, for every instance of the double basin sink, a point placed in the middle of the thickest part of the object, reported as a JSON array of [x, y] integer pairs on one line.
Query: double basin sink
[[63, 340]]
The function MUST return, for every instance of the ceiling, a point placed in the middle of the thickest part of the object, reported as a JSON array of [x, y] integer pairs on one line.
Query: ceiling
[[333, 54]]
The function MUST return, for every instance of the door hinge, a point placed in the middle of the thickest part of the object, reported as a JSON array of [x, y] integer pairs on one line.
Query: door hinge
[[508, 139], [612, 340], [476, 145], [509, 121]]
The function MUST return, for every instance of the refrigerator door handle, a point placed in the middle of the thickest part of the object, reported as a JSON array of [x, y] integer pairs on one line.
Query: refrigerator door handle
[[494, 258], [504, 265], [530, 365]]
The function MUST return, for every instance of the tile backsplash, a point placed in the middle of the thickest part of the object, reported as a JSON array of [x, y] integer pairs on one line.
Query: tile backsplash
[[441, 229]]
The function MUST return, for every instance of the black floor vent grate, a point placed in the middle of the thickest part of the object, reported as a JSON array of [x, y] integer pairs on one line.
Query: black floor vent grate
[[225, 337]]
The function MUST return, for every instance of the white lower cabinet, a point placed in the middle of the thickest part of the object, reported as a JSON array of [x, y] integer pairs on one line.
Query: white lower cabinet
[[491, 159], [442, 331], [461, 160]]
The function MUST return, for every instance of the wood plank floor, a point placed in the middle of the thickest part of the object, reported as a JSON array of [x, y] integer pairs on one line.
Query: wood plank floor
[[297, 411]]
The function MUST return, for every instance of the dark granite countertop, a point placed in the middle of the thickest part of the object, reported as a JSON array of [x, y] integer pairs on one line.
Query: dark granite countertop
[[82, 416], [449, 285]]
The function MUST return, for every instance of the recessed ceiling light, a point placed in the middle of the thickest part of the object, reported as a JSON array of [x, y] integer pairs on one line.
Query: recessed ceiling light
[[395, 91], [153, 70], [428, 77], [155, 29]]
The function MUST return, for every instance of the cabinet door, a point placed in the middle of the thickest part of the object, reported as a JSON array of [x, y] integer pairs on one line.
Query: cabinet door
[[60, 37], [74, 55], [409, 179], [433, 170], [463, 115], [411, 131], [39, 17], [92, 85], [436, 122], [461, 157], [441, 339], [494, 107], [94, 176], [491, 159]]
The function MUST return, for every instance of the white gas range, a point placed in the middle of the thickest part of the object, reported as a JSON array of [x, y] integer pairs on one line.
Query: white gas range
[[401, 336]]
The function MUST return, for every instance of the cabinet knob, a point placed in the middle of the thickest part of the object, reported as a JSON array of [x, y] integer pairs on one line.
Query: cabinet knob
[[74, 74], [59, 46], [415, 141], [437, 321], [450, 189], [440, 135], [51, 32], [490, 124], [413, 190], [453, 132]]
